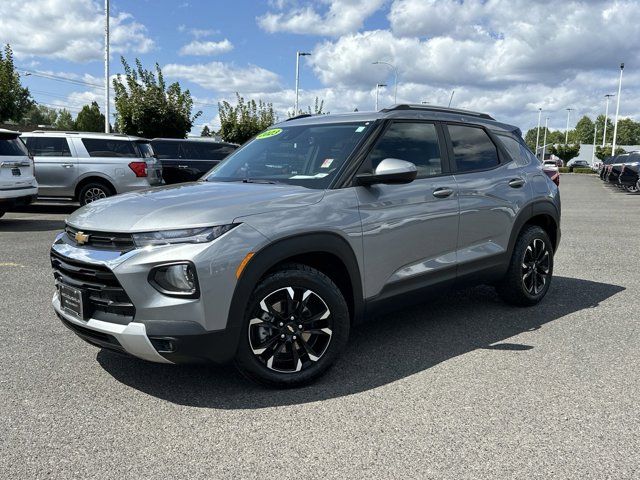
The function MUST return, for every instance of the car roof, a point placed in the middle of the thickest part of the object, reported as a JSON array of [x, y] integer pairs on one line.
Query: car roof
[[5, 132], [406, 112], [115, 136], [193, 139]]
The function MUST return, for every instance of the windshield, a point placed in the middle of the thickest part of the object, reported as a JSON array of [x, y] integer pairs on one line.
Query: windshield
[[306, 155]]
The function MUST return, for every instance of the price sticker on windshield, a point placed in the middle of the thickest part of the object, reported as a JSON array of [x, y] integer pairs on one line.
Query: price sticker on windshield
[[270, 133]]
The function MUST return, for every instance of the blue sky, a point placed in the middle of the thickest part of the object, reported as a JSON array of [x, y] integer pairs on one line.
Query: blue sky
[[507, 58]]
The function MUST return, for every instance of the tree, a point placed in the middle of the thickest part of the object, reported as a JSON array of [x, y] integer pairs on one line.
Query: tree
[[65, 120], [600, 124], [146, 106], [602, 153], [238, 124], [40, 115], [628, 132], [90, 119], [583, 133], [318, 108], [565, 152], [206, 132], [15, 100]]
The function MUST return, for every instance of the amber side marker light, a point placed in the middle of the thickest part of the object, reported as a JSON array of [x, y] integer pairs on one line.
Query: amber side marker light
[[243, 264]]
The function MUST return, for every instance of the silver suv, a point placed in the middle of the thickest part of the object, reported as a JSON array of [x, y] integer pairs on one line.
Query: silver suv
[[90, 166], [18, 185], [313, 226]]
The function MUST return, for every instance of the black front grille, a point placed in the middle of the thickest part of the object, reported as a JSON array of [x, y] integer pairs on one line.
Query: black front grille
[[105, 299], [105, 240]]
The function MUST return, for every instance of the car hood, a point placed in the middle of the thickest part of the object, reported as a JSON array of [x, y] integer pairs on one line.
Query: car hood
[[189, 205]]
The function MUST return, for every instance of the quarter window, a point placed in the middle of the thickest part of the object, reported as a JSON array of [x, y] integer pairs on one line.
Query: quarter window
[[99, 147], [48, 146], [472, 148], [413, 142]]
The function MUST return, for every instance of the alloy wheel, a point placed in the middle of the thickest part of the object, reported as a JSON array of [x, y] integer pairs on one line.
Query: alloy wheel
[[535, 267], [290, 329], [93, 194]]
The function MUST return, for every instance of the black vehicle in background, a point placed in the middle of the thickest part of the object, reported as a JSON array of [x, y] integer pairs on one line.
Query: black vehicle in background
[[186, 160], [628, 178]]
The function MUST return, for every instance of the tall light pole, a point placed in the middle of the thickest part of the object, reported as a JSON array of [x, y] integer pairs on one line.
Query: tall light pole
[[451, 97], [298, 55], [606, 116], [538, 134], [106, 66], [566, 133], [544, 142], [595, 132], [615, 125], [395, 83], [378, 85]]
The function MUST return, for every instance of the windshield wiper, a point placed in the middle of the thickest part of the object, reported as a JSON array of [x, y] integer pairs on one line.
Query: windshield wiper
[[258, 180]]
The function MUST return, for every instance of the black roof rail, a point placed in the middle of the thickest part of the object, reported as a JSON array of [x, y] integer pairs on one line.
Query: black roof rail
[[302, 115], [430, 108]]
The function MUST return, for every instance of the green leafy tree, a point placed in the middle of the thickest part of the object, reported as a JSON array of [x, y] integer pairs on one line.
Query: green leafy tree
[[147, 106], [90, 119], [318, 109], [583, 133], [40, 115], [65, 120], [15, 100], [602, 153], [246, 119], [628, 132], [206, 132], [565, 152]]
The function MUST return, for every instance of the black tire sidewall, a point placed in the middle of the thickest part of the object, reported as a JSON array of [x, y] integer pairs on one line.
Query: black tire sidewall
[[527, 237], [107, 190], [319, 283]]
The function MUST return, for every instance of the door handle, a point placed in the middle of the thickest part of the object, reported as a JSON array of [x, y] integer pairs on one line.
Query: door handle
[[442, 192], [516, 182], [67, 165]]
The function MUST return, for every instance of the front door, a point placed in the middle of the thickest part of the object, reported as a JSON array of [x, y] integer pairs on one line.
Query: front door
[[409, 231]]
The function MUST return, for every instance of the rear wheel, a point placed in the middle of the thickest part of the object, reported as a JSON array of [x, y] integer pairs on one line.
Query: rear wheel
[[94, 191], [632, 188], [295, 326], [529, 276]]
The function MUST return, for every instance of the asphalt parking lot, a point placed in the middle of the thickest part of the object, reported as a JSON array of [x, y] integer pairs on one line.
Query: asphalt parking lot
[[465, 387]]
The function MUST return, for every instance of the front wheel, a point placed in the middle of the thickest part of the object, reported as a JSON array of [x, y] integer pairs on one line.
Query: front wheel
[[295, 326], [632, 188], [530, 270]]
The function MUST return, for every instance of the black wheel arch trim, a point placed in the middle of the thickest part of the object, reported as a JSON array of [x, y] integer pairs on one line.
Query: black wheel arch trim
[[530, 211]]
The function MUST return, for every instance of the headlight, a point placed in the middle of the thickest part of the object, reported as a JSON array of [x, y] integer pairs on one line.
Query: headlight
[[188, 235], [176, 279]]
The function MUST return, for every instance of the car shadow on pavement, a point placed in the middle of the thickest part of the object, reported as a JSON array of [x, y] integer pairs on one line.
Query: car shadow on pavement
[[30, 225], [390, 348]]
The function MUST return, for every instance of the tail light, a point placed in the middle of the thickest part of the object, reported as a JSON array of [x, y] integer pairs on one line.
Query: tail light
[[33, 163], [139, 168]]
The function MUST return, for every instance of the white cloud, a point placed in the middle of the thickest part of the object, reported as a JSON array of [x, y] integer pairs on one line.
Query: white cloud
[[198, 47], [67, 29], [341, 16], [223, 77]]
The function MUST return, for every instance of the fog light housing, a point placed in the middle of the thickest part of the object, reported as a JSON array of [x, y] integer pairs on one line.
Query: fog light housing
[[177, 279]]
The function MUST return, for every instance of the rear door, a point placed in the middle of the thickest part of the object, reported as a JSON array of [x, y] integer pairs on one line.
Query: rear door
[[168, 153], [56, 165], [492, 190], [16, 169], [409, 231]]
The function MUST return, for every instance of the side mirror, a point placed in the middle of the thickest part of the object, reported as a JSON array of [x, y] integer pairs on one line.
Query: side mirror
[[390, 171]]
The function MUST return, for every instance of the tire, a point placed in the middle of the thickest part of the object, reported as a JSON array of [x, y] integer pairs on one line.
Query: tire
[[631, 188], [530, 270], [93, 191], [273, 349]]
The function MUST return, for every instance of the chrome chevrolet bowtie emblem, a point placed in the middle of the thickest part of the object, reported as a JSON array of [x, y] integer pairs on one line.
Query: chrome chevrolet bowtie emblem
[[81, 238]]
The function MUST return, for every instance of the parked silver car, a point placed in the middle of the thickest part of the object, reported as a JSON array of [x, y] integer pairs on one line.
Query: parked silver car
[[90, 166], [18, 185], [313, 226]]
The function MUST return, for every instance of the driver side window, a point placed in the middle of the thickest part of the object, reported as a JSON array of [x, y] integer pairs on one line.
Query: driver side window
[[414, 142]]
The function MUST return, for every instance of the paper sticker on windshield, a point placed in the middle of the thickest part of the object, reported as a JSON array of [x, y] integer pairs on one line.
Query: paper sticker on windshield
[[327, 163], [360, 129], [270, 133]]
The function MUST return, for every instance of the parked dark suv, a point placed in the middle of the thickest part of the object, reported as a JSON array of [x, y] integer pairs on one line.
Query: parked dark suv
[[315, 225], [187, 160]]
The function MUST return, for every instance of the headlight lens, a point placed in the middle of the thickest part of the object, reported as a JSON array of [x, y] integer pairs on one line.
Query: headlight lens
[[177, 279], [187, 235]]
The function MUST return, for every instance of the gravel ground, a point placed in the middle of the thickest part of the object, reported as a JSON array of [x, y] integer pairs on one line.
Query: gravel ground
[[465, 387]]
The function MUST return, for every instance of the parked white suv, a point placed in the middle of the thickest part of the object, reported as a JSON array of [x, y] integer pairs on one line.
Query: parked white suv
[[18, 185], [90, 166]]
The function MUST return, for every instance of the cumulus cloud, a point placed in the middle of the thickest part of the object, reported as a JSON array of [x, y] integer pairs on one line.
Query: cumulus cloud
[[223, 77], [337, 17], [198, 47], [67, 29]]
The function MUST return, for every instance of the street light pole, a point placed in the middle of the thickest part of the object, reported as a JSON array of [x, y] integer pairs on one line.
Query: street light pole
[[106, 66], [298, 55], [538, 133], [544, 142], [615, 126], [378, 85], [595, 132], [566, 133], [606, 116], [395, 83]]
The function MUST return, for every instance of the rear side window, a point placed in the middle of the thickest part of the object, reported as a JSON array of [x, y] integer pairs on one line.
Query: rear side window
[[106, 147], [472, 148], [145, 149], [48, 146], [517, 150], [166, 150], [413, 142], [12, 147]]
